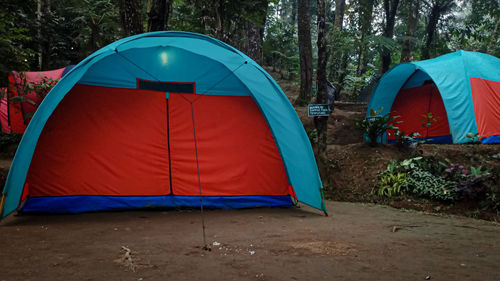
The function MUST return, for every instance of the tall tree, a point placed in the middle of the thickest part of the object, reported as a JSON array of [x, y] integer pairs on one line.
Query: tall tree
[[339, 13], [131, 17], [44, 15], [437, 9], [365, 15], [255, 31], [338, 56], [390, 9], [321, 123], [305, 51], [158, 14], [409, 40], [255, 39]]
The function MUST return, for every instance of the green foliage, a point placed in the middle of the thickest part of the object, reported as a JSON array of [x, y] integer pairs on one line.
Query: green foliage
[[312, 134], [391, 182], [471, 184], [14, 53], [280, 46], [428, 120], [405, 140], [427, 177], [473, 138], [424, 184], [375, 125]]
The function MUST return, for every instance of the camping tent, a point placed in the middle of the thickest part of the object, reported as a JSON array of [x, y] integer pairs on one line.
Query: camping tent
[[18, 113], [461, 90], [153, 120], [4, 111]]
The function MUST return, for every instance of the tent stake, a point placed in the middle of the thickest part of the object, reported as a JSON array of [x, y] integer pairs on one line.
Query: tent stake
[[205, 245]]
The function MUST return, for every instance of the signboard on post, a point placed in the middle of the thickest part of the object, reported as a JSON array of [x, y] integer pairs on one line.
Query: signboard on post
[[318, 110]]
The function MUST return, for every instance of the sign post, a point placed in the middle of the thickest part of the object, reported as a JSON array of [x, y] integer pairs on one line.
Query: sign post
[[318, 110]]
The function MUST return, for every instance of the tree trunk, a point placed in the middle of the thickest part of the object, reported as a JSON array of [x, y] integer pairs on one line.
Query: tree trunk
[[390, 8], [321, 122], [254, 50], [305, 52], [293, 18], [338, 58], [255, 35], [339, 13], [130, 17], [39, 18], [365, 22], [411, 27], [431, 30], [94, 34], [45, 39], [158, 15]]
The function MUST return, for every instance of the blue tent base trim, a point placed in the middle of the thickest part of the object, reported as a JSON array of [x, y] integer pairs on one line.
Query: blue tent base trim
[[433, 140], [81, 204], [491, 139]]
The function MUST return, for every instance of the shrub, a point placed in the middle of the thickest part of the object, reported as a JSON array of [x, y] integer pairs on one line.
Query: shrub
[[404, 140], [424, 184], [375, 125], [391, 181], [471, 184]]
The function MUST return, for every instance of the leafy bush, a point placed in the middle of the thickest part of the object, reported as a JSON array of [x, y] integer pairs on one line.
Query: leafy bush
[[405, 140], [375, 126], [424, 184], [427, 177], [391, 181], [473, 138], [471, 184], [428, 120]]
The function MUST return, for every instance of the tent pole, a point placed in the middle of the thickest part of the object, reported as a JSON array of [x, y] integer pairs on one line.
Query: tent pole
[[205, 245], [2, 203]]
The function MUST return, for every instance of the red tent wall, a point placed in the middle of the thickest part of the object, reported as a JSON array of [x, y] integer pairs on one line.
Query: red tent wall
[[411, 105], [19, 114], [128, 142], [486, 100]]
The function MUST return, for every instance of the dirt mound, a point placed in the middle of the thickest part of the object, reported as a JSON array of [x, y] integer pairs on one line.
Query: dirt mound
[[354, 169]]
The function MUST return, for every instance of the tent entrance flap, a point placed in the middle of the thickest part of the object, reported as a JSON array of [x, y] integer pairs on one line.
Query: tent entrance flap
[[413, 106]]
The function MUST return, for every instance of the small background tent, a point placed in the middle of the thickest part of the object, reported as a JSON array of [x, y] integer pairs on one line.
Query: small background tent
[[461, 90], [150, 120], [4, 111], [15, 116]]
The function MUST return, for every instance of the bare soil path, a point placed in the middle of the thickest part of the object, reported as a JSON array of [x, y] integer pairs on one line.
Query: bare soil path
[[356, 242]]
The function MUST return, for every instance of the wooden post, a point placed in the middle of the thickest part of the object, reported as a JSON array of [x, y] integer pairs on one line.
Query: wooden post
[[2, 203]]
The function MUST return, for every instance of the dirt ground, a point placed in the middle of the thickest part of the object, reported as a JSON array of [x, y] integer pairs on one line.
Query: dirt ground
[[356, 242]]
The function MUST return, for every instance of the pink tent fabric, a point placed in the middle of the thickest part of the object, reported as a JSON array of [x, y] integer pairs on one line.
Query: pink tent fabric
[[19, 114], [4, 111]]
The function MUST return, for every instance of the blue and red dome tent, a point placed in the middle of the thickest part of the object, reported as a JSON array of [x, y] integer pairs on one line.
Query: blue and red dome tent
[[460, 89], [147, 120]]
